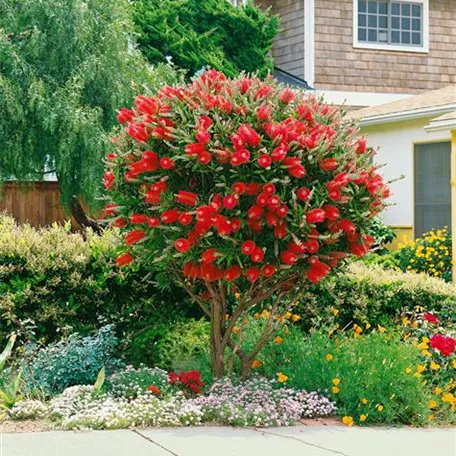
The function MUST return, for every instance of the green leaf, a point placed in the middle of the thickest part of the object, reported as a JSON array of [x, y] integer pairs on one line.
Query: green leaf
[[7, 351], [101, 377]]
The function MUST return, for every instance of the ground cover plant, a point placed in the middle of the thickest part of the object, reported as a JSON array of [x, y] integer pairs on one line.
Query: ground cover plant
[[240, 185]]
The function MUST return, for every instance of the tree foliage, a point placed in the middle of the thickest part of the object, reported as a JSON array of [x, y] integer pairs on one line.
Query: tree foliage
[[241, 186], [65, 68], [209, 33]]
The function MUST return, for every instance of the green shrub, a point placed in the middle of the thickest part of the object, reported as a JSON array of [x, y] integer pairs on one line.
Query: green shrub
[[73, 361], [200, 33], [382, 234], [54, 282]]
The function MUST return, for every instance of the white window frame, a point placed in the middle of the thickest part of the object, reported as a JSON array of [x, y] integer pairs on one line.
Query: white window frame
[[424, 49]]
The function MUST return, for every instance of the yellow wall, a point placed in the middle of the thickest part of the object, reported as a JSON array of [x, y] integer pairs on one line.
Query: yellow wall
[[403, 234]]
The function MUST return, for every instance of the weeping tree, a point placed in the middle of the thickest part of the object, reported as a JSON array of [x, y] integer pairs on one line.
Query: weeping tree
[[66, 66]]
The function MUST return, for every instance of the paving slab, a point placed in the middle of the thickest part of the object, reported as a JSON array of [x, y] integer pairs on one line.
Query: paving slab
[[66, 443], [373, 441], [222, 441]]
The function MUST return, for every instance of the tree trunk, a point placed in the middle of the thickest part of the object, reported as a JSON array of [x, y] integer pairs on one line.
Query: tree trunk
[[217, 351], [246, 369], [77, 211]]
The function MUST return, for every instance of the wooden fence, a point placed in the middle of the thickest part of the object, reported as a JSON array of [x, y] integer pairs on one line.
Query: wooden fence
[[37, 203]]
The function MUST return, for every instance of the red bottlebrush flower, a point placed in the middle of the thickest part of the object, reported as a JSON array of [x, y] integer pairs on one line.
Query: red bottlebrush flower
[[287, 96], [224, 229], [235, 225], [262, 199], [239, 188], [204, 213], [271, 219], [121, 222], [204, 122], [430, 318], [193, 237], [312, 246], [282, 211], [134, 236], [252, 274], [108, 180], [203, 136], [269, 189], [288, 257], [185, 218], [125, 115], [172, 378], [274, 202], [153, 197], [263, 113], [445, 345], [138, 219], [166, 163], [255, 212], [253, 188], [361, 145], [303, 193], [182, 245], [187, 198], [335, 194], [170, 216], [347, 226], [138, 131], [298, 248], [124, 260], [332, 213], [110, 209], [209, 256], [316, 216], [358, 249], [256, 225], [264, 161], [111, 157], [238, 141], [257, 256], [249, 135], [248, 247], [297, 171], [280, 230], [268, 270], [280, 152], [232, 273], [195, 149], [328, 164], [204, 158], [155, 390], [240, 157], [153, 221], [230, 201], [147, 105]]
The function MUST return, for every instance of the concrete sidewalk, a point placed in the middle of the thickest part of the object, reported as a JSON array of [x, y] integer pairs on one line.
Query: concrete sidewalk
[[220, 441]]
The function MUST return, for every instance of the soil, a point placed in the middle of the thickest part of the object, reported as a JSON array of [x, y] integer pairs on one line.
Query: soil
[[9, 426]]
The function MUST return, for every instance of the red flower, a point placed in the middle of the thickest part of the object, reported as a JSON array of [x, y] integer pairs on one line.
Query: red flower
[[125, 115], [110, 209], [166, 163], [147, 105], [154, 390], [138, 131], [288, 257], [303, 193], [282, 211], [264, 161], [358, 249], [332, 213], [239, 188], [328, 164], [232, 273], [255, 212], [280, 231], [257, 256], [134, 236], [312, 246], [287, 96], [187, 198], [203, 136], [253, 188], [195, 149], [263, 113], [249, 135], [153, 221], [347, 226], [269, 189], [298, 248], [271, 219], [121, 222], [124, 259], [445, 345], [204, 158], [172, 378], [138, 219], [280, 152], [297, 171], [430, 318], [316, 216], [185, 218], [262, 199], [361, 145], [204, 122], [230, 201], [252, 274], [268, 270], [335, 194], [170, 216], [248, 247], [182, 245], [108, 180], [209, 256]]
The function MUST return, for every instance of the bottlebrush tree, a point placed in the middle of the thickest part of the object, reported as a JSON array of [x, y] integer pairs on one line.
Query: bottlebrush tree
[[240, 186]]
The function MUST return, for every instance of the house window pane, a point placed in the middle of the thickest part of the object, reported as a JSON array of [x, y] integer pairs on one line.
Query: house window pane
[[372, 22], [372, 36], [395, 23], [395, 37], [372, 7], [416, 10], [362, 34], [405, 9], [361, 20], [416, 38], [383, 22], [395, 8], [405, 23], [405, 37], [416, 24], [362, 6]]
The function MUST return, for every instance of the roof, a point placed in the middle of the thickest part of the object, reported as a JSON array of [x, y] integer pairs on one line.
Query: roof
[[284, 77], [435, 102], [444, 122]]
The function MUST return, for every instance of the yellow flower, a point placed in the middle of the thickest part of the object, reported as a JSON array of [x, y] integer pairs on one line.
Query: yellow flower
[[364, 401], [425, 340], [347, 420], [426, 353], [288, 315], [381, 329], [257, 315], [420, 368], [336, 312], [405, 321], [362, 417], [435, 366], [256, 363], [408, 370], [432, 404], [368, 325], [335, 389], [278, 340], [437, 390], [448, 397], [417, 375], [430, 418], [295, 318], [357, 329], [329, 357], [336, 381], [379, 407], [237, 295], [453, 363], [265, 314], [236, 329], [281, 377]]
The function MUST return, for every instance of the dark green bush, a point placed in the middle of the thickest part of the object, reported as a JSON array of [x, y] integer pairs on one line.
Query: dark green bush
[[210, 33], [53, 283]]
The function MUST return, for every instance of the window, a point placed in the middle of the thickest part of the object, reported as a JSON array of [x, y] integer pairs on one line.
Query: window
[[392, 25]]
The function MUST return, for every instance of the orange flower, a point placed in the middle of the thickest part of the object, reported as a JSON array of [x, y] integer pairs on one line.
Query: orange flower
[[278, 340], [256, 363]]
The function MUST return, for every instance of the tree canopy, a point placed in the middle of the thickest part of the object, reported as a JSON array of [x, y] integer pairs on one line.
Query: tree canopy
[[66, 66], [209, 33]]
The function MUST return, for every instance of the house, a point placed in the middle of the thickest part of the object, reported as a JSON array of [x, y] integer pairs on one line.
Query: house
[[367, 52], [416, 138]]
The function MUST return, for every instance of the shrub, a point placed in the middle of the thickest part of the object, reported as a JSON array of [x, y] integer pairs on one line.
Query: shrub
[[430, 254], [240, 185], [199, 34], [382, 234], [73, 361], [54, 282], [131, 383], [28, 409]]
